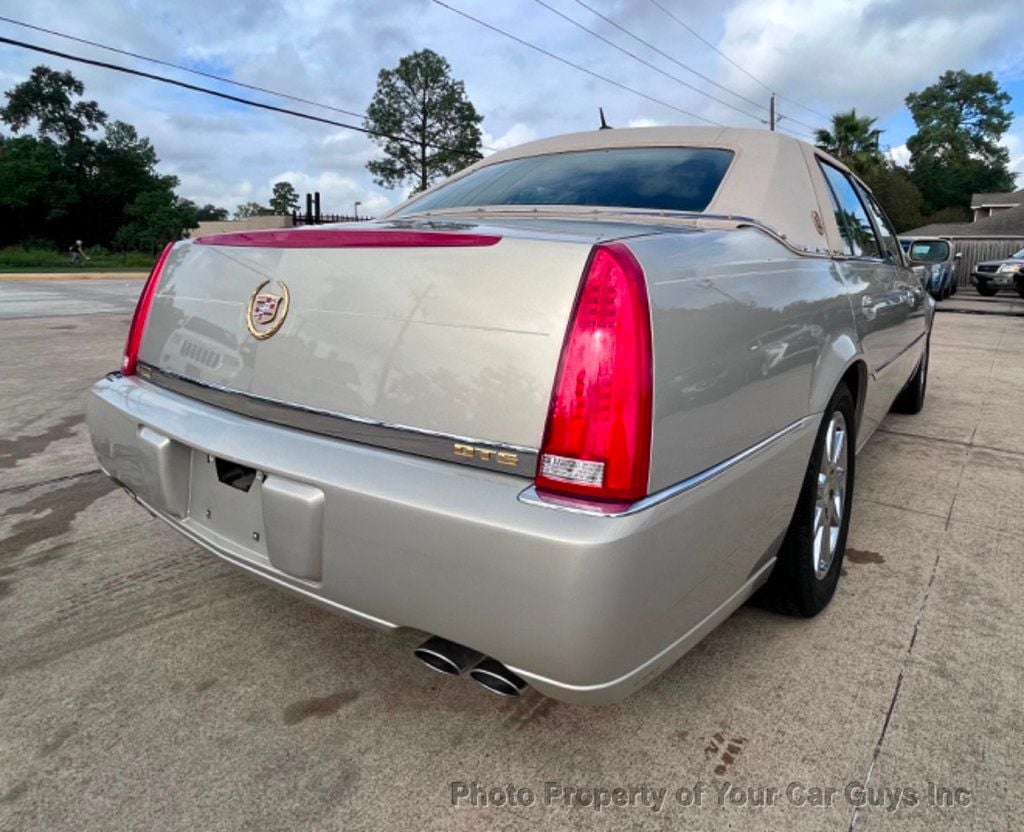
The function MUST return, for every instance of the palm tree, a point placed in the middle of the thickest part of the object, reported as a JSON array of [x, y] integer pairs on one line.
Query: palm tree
[[853, 140]]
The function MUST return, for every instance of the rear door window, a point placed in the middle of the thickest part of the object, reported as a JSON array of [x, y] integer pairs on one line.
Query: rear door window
[[859, 237]]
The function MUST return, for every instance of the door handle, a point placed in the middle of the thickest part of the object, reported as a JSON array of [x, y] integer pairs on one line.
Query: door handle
[[869, 306]]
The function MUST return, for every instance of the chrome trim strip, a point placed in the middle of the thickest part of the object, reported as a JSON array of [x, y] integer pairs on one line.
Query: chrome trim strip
[[531, 497], [898, 356], [375, 432]]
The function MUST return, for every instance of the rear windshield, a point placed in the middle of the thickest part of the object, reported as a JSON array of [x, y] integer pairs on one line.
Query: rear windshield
[[658, 178], [929, 251]]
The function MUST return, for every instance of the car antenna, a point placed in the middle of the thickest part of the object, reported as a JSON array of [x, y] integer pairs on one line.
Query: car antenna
[[604, 124]]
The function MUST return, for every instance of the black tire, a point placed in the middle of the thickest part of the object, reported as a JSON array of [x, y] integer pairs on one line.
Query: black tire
[[911, 398], [1019, 284], [794, 588], [986, 291]]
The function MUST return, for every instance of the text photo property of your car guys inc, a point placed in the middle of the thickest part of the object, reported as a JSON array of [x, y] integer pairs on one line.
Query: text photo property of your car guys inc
[[554, 796]]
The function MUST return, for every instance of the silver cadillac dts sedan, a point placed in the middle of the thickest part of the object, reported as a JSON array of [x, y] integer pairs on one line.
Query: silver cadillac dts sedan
[[562, 413]]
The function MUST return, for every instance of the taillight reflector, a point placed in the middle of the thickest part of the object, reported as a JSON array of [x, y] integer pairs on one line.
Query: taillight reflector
[[129, 364], [597, 442]]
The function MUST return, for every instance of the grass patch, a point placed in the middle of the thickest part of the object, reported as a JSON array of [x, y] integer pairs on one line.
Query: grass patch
[[27, 260]]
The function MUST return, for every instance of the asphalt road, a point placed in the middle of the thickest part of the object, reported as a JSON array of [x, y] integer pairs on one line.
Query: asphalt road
[[145, 685]]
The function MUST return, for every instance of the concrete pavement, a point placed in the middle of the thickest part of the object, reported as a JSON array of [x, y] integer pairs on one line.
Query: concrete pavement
[[145, 685], [68, 297]]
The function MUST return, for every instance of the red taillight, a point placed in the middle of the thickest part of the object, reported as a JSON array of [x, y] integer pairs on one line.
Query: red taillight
[[131, 347], [597, 442]]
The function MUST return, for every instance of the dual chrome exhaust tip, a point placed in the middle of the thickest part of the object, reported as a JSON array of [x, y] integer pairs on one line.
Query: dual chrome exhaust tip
[[454, 660]]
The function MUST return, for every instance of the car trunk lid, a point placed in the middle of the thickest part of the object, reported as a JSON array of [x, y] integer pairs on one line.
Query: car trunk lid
[[455, 332]]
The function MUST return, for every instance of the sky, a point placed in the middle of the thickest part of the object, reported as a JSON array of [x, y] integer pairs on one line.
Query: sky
[[820, 56]]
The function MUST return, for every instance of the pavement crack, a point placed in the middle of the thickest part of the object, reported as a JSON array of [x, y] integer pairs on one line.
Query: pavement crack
[[15, 489], [899, 684], [945, 441]]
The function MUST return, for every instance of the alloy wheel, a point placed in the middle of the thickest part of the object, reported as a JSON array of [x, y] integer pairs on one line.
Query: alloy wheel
[[831, 496]]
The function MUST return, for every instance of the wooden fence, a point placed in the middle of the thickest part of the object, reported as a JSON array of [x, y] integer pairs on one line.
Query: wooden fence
[[979, 249]]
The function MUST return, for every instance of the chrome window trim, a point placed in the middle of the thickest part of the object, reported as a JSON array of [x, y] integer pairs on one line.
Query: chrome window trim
[[530, 496], [375, 432]]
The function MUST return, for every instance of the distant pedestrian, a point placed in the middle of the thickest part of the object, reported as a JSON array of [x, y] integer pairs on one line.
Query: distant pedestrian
[[77, 254]]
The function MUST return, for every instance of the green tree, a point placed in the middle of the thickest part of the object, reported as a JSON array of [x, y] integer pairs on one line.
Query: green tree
[[897, 194], [47, 100], [853, 140], [946, 215], [35, 190], [154, 219], [955, 151], [211, 212], [284, 199], [251, 209], [423, 121], [124, 166], [62, 183]]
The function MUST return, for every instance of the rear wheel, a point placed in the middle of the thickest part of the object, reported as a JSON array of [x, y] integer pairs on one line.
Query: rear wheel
[[986, 291], [807, 568], [911, 398]]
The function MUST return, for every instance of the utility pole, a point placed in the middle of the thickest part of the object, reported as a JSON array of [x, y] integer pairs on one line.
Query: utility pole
[[771, 113]]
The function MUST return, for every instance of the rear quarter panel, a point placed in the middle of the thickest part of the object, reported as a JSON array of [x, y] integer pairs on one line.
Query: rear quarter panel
[[748, 338]]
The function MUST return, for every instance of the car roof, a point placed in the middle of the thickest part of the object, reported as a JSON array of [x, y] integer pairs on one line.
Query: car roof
[[768, 179]]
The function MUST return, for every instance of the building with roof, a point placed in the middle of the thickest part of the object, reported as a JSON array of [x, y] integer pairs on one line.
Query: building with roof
[[1007, 221], [994, 236], [988, 205]]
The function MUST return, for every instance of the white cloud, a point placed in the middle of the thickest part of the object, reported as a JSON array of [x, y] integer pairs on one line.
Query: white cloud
[[518, 133], [1014, 142], [900, 155], [834, 55], [828, 54], [643, 122]]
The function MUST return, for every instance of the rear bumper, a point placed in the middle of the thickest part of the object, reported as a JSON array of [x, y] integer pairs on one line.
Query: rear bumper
[[585, 608]]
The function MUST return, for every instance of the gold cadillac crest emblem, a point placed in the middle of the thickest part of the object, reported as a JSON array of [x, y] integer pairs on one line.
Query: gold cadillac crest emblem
[[266, 311]]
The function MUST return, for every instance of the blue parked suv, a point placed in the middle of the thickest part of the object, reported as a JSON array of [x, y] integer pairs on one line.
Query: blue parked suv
[[938, 260]]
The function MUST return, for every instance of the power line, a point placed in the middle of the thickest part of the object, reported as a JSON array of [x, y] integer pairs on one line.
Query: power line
[[804, 124], [818, 113], [710, 45], [209, 75], [567, 62], [217, 94], [664, 54], [645, 63], [754, 78]]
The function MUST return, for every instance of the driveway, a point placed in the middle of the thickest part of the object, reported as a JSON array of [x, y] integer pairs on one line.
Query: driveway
[[145, 685]]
